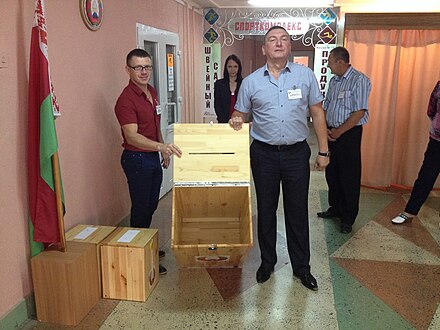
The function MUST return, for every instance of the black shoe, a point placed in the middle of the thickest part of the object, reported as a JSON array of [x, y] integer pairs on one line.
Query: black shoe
[[330, 213], [162, 270], [263, 274], [345, 229], [308, 281], [161, 254]]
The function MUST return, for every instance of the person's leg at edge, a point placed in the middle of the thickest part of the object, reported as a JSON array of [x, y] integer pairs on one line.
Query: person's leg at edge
[[350, 177], [265, 172], [144, 176], [295, 180], [424, 183], [295, 183], [139, 184], [427, 176]]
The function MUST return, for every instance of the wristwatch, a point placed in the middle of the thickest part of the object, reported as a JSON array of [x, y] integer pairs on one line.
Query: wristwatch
[[325, 154]]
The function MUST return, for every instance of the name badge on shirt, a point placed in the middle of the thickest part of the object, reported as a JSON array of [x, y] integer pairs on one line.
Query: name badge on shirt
[[343, 94], [294, 94], [158, 109]]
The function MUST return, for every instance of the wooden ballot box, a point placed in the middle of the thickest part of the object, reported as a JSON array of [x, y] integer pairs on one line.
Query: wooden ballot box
[[211, 210], [130, 263], [91, 234], [66, 284]]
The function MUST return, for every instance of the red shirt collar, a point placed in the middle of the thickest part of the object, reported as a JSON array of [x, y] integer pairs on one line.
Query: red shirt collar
[[137, 89]]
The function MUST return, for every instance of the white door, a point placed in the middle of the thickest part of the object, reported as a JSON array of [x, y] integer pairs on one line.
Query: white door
[[163, 46]]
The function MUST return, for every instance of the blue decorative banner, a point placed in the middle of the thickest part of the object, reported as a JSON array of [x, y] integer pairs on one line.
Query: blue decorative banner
[[328, 16], [211, 35], [211, 16], [327, 35]]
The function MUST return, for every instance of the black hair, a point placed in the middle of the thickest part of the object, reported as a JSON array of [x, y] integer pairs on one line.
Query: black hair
[[340, 53], [225, 70], [137, 53], [275, 27]]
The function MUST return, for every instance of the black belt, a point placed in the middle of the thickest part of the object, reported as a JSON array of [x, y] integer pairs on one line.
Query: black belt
[[281, 147]]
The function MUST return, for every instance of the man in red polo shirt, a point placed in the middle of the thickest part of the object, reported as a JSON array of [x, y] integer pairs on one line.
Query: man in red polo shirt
[[138, 112]]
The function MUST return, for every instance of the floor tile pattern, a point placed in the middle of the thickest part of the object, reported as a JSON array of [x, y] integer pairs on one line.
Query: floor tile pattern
[[380, 276]]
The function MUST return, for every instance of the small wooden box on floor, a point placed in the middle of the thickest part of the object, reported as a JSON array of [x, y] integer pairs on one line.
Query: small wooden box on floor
[[91, 234], [66, 284], [130, 263], [211, 215]]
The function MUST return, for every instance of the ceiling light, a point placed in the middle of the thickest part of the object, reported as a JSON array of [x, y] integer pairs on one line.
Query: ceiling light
[[291, 3]]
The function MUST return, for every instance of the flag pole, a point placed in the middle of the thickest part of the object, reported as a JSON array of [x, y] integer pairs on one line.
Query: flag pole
[[58, 194]]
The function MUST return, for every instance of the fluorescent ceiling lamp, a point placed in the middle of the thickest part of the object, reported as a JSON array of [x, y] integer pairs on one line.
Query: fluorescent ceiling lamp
[[291, 3]]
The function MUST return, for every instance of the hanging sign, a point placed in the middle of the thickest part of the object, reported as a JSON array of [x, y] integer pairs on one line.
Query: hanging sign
[[250, 26], [170, 66], [322, 72], [211, 65]]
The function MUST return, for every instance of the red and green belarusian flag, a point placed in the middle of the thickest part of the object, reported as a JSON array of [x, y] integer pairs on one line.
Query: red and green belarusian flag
[[42, 140]]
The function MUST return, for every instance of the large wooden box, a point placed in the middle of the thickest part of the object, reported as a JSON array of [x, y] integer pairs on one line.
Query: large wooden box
[[65, 283], [211, 210], [130, 263], [91, 234]]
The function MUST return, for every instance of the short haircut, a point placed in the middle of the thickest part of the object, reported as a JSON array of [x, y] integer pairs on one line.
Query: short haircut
[[275, 27], [340, 53], [236, 60], [137, 53]]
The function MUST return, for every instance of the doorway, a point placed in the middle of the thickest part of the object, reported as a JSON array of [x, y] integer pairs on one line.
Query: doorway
[[163, 46]]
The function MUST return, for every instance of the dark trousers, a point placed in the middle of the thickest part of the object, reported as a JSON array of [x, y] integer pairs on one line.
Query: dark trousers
[[343, 175], [290, 166], [427, 176], [144, 177]]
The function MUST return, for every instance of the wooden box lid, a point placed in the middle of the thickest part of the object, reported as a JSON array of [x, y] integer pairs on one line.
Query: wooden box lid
[[212, 153], [89, 233], [130, 237]]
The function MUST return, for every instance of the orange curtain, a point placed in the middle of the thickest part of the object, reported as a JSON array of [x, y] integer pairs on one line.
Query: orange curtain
[[403, 66]]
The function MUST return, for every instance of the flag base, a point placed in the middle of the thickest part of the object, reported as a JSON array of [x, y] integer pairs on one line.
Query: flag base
[[66, 284]]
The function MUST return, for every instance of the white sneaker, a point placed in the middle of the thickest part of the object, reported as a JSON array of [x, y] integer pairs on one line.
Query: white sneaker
[[401, 218]]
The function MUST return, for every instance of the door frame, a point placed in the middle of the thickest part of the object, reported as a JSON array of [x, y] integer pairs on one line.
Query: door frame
[[161, 39]]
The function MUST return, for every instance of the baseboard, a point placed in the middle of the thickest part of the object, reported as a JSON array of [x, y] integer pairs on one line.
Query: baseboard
[[19, 314]]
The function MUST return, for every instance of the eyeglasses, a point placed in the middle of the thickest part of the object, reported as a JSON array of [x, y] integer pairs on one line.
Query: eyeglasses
[[140, 68]]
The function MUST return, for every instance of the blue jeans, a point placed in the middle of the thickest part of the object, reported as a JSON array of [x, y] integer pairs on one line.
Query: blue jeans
[[144, 176]]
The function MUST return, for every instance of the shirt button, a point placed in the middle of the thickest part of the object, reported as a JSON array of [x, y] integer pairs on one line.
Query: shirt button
[[281, 91]]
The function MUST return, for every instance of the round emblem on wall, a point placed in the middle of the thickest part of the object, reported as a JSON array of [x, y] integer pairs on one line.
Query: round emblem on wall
[[91, 12]]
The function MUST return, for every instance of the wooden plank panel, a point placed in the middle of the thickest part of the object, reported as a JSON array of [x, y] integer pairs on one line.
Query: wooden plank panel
[[209, 202], [211, 219], [65, 284], [225, 255], [211, 153], [212, 225], [210, 236], [246, 219], [139, 241], [96, 237], [130, 272]]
